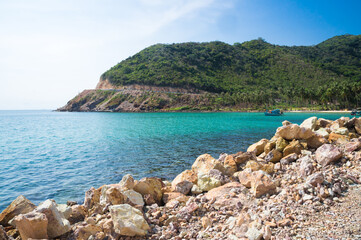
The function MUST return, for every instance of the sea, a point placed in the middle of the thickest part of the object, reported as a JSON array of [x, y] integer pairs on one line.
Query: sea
[[60, 155]]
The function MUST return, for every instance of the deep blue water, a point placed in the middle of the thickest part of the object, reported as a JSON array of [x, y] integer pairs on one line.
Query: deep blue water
[[59, 155]]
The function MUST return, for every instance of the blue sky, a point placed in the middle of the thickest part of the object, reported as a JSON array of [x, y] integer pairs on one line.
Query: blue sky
[[50, 50]]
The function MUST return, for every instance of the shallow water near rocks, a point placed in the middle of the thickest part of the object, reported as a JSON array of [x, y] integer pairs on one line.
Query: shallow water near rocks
[[60, 155]]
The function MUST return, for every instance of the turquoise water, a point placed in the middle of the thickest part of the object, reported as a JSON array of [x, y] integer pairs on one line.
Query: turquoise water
[[59, 155]]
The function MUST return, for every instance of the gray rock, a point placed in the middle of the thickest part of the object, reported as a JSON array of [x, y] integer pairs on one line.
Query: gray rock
[[327, 154]]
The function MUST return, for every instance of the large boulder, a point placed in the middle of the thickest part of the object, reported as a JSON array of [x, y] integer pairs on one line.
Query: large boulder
[[342, 131], [111, 195], [323, 132], [281, 144], [78, 213], [353, 146], [316, 141], [293, 147], [32, 225], [205, 163], [258, 147], [269, 146], [243, 157], [150, 187], [253, 165], [65, 210], [323, 123], [85, 230], [92, 197], [327, 154], [293, 131], [206, 182], [245, 177], [20, 205], [128, 221], [57, 224], [310, 123], [261, 184]]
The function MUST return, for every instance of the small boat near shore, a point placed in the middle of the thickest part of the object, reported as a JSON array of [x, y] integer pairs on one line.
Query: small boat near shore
[[356, 112], [276, 112]]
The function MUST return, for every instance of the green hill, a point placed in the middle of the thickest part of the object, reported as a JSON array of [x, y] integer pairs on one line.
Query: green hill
[[253, 74]]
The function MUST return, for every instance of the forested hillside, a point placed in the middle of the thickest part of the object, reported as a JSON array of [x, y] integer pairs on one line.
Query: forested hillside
[[253, 72]]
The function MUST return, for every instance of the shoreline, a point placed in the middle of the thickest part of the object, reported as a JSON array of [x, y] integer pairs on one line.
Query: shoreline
[[303, 169]]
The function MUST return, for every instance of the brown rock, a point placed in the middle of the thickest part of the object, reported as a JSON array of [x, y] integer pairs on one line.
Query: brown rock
[[333, 137], [230, 165], [253, 165], [245, 177], [358, 125], [32, 225], [113, 196], [84, 231], [127, 182], [293, 131], [316, 141], [152, 186], [258, 147], [3, 235], [353, 146], [327, 154], [183, 187], [293, 147], [274, 156], [289, 158], [206, 222], [281, 144], [78, 213], [187, 175], [269, 146], [205, 163], [243, 157], [261, 184], [168, 196], [20, 205], [268, 167], [284, 222], [92, 197], [321, 122], [306, 166]]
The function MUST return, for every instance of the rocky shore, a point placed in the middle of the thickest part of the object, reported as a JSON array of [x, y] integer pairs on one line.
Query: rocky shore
[[303, 183]]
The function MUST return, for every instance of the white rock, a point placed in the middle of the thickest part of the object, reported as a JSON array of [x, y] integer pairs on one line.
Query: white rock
[[65, 210], [134, 197], [309, 123], [128, 220], [323, 132]]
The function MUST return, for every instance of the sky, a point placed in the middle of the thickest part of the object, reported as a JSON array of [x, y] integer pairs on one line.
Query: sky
[[51, 50]]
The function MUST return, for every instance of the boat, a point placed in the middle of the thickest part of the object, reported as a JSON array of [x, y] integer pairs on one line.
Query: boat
[[276, 112], [356, 112]]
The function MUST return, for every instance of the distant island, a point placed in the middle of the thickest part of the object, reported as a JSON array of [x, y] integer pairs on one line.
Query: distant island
[[216, 76]]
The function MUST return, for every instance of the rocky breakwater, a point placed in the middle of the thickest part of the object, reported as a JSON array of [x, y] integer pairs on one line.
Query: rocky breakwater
[[295, 185]]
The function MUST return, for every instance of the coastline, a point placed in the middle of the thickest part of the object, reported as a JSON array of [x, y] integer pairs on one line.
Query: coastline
[[304, 167]]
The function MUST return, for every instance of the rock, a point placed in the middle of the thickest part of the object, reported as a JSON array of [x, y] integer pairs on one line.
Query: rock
[[242, 157], [322, 132], [32, 225], [293, 131], [57, 224], [254, 234], [206, 222], [20, 205], [187, 175], [274, 156], [168, 196], [84, 231], [205, 163], [78, 213], [285, 123], [293, 147], [342, 131], [321, 122], [3, 234], [230, 165], [316, 141], [358, 125], [152, 186], [245, 177], [306, 166], [196, 190], [261, 183], [183, 187], [253, 165], [309, 123], [352, 146], [92, 198], [284, 222], [65, 210], [206, 183], [327, 154], [111, 195], [128, 221], [268, 167], [315, 179], [267, 233], [127, 182], [133, 198], [269, 146], [258, 147], [335, 125], [281, 144], [289, 158]]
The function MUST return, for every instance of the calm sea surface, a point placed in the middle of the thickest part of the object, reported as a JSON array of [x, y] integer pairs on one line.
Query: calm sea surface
[[56, 155]]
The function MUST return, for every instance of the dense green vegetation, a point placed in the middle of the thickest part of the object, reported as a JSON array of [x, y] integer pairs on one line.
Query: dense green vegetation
[[254, 72]]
